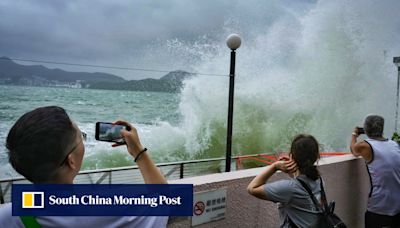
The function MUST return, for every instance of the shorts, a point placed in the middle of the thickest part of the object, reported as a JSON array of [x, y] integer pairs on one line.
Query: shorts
[[373, 220]]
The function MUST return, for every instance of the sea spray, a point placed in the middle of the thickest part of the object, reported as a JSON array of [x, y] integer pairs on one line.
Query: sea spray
[[318, 69], [320, 73]]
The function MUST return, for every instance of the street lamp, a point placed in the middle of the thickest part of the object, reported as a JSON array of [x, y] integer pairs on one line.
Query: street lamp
[[233, 41], [396, 61]]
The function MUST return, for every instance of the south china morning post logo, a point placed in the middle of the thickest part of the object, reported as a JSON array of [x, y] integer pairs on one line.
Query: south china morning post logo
[[32, 200], [102, 200]]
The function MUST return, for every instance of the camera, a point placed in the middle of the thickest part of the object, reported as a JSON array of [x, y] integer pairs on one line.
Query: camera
[[110, 132], [360, 130]]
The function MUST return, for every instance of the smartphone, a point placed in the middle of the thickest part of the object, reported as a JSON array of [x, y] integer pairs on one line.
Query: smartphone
[[109, 132], [360, 130]]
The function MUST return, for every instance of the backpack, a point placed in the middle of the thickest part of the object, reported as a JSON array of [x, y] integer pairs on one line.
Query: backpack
[[327, 218]]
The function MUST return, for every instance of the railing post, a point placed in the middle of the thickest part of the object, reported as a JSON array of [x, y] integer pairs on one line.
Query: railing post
[[1, 195], [105, 174], [181, 171], [396, 61]]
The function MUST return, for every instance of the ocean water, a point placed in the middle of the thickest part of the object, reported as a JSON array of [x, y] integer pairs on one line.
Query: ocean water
[[146, 110], [317, 70]]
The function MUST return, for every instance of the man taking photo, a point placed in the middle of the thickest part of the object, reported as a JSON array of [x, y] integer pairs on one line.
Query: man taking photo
[[382, 157], [46, 147]]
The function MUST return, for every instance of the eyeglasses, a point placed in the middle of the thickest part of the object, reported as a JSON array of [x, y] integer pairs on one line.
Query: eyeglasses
[[83, 137]]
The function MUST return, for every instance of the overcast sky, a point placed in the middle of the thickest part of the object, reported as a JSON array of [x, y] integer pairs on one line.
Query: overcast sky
[[164, 35]]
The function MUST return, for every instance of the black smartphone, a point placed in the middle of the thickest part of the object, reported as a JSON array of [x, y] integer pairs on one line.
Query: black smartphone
[[109, 132], [360, 130]]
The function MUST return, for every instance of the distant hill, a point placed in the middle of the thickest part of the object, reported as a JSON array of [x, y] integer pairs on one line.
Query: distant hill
[[15, 72], [172, 82], [12, 73]]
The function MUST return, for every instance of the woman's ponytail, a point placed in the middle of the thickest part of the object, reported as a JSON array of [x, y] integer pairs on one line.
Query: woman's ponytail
[[310, 171]]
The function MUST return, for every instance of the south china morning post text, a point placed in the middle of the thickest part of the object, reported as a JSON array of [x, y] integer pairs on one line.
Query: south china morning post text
[[116, 200], [102, 200]]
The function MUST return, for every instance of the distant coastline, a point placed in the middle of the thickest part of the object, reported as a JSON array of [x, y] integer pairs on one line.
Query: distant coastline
[[12, 73]]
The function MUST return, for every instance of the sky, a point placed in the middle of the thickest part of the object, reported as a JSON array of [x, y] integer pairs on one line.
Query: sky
[[161, 35]]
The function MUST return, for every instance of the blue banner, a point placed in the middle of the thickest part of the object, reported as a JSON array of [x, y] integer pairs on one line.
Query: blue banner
[[102, 200]]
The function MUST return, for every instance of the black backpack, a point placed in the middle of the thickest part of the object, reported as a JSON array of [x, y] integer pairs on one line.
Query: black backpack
[[327, 218]]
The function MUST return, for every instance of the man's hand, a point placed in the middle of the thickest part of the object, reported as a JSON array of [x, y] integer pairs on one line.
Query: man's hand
[[362, 148], [150, 172], [355, 132], [131, 138]]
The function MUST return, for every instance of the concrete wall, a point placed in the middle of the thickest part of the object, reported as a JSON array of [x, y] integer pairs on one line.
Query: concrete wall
[[346, 182]]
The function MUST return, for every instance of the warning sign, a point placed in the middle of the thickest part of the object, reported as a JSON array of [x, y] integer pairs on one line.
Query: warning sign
[[209, 206], [199, 208]]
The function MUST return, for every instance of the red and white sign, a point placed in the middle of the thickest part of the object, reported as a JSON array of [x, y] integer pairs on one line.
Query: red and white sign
[[199, 208], [209, 206]]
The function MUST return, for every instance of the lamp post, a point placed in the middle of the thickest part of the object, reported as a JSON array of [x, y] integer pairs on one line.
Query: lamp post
[[233, 41], [396, 61]]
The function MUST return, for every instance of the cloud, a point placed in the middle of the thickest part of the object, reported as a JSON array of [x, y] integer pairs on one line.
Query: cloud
[[124, 32]]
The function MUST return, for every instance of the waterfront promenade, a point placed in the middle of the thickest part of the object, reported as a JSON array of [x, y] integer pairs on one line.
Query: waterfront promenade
[[345, 178]]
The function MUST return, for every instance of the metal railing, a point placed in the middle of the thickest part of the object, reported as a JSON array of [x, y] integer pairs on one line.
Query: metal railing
[[131, 174], [171, 170]]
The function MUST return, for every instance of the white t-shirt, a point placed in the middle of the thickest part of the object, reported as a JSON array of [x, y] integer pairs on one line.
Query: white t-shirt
[[9, 221]]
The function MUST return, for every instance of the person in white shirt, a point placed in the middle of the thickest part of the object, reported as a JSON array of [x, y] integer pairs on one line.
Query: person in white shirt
[[46, 147], [382, 157]]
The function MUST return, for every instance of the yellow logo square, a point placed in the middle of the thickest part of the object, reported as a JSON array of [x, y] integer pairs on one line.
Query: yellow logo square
[[32, 199]]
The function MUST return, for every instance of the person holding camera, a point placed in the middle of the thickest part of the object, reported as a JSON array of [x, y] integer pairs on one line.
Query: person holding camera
[[46, 147], [382, 157], [296, 209]]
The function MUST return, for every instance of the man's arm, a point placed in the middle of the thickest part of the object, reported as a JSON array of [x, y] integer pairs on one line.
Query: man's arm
[[150, 172], [362, 149]]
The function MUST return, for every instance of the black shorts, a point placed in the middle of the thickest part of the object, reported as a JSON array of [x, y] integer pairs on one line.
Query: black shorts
[[373, 220]]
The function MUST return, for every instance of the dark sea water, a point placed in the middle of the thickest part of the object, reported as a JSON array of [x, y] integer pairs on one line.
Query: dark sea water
[[146, 110]]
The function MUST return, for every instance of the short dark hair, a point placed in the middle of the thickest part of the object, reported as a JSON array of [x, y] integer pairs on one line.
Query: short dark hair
[[38, 141], [305, 152], [373, 125]]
